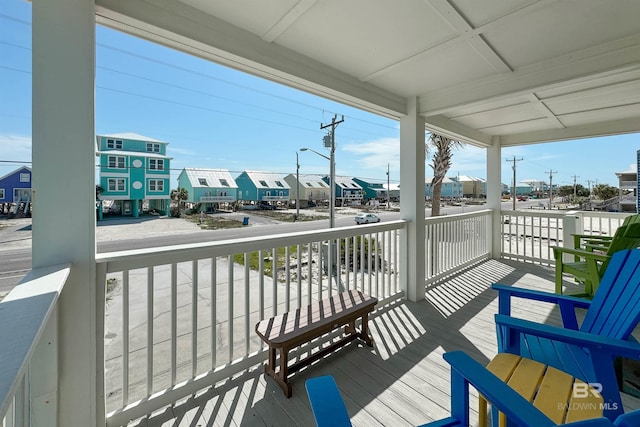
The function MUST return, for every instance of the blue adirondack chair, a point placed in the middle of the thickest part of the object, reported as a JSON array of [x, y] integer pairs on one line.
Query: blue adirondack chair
[[586, 351], [329, 409]]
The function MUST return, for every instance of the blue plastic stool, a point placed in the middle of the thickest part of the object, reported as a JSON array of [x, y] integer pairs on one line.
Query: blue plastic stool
[[326, 402]]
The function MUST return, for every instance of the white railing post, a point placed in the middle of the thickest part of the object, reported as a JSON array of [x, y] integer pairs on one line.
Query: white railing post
[[571, 224]]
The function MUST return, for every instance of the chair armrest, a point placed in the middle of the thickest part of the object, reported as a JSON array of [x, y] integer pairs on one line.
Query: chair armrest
[[583, 339], [592, 236], [567, 303], [557, 250], [465, 370]]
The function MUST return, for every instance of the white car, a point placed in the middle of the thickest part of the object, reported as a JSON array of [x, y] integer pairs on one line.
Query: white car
[[366, 218]]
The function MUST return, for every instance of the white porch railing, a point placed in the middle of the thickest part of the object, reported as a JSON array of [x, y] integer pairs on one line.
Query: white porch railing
[[529, 235], [28, 338], [453, 242], [179, 319]]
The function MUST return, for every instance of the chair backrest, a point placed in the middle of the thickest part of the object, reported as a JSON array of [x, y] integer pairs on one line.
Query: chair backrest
[[626, 237], [615, 308]]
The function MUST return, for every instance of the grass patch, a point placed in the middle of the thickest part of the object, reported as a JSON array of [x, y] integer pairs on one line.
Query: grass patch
[[213, 223], [288, 216], [254, 260]]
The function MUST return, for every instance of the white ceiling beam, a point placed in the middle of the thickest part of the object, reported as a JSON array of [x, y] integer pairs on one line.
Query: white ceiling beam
[[452, 17], [591, 130], [189, 30], [618, 56], [288, 19], [466, 33], [544, 110], [456, 130]]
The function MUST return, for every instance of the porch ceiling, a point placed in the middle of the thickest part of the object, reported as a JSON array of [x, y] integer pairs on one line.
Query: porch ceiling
[[526, 71]]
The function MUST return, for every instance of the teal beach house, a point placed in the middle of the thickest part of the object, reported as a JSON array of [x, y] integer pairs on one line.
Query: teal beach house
[[265, 187], [212, 189], [134, 174]]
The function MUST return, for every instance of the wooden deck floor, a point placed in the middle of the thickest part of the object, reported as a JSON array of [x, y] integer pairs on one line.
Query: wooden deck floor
[[403, 380]]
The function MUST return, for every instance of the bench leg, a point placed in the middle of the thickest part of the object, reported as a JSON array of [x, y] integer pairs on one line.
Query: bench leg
[[281, 376], [364, 332]]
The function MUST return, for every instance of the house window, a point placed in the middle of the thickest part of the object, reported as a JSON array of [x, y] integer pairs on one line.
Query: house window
[[115, 184], [263, 183], [153, 148], [1, 193], [279, 184], [114, 143], [25, 177], [203, 181], [224, 182], [116, 162], [156, 164], [156, 185]]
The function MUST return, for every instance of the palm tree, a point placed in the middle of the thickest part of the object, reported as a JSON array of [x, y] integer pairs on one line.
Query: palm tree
[[440, 164], [179, 195]]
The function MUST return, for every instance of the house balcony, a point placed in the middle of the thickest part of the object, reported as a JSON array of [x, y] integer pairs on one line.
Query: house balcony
[[628, 185], [175, 325], [216, 199], [275, 198]]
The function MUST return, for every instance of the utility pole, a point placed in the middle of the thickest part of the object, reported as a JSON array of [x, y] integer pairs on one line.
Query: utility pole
[[550, 172], [574, 186], [332, 160], [297, 187], [388, 188], [513, 191]]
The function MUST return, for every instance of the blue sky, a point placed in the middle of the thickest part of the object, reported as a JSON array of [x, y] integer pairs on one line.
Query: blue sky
[[216, 117]]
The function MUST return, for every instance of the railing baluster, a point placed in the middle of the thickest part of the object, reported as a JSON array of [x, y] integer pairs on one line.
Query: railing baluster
[[125, 337], [214, 314], [309, 271], [194, 318], [347, 262], [321, 262], [385, 272], [174, 322], [274, 279], [369, 255], [149, 331], [247, 307], [299, 274], [230, 306], [261, 285], [287, 275]]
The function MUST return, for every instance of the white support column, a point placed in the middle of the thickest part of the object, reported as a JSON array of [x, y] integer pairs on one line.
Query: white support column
[[412, 252], [64, 222], [494, 195]]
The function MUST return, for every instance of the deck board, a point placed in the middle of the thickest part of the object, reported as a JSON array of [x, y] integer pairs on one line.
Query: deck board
[[401, 381]]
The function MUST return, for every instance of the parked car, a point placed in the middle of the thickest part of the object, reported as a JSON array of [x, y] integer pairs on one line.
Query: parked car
[[366, 218], [266, 206]]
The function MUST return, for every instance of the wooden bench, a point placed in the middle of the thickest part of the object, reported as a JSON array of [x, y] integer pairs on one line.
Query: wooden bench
[[289, 330]]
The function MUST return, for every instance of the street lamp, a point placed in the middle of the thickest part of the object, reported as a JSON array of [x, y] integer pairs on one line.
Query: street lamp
[[332, 180]]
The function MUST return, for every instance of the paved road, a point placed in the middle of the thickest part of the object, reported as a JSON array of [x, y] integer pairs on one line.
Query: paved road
[[15, 263]]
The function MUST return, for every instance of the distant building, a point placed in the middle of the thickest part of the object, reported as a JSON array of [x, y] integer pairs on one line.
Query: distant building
[[347, 191], [394, 191], [209, 187], [15, 192], [450, 188], [471, 186], [134, 169], [312, 189], [255, 186], [628, 183], [373, 189]]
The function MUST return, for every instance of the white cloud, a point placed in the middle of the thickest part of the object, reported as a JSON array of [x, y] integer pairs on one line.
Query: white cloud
[[376, 154]]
